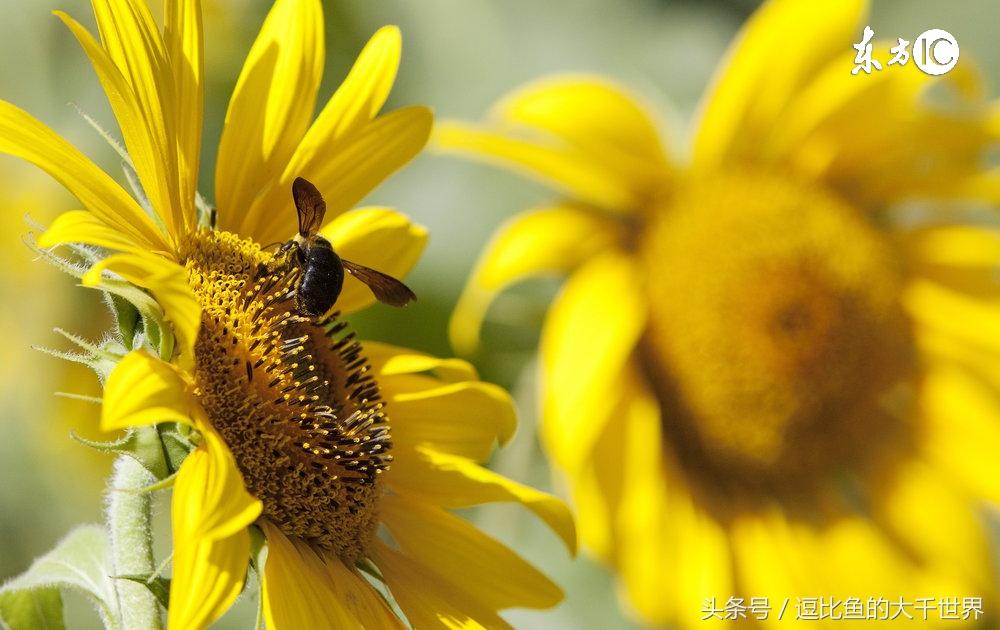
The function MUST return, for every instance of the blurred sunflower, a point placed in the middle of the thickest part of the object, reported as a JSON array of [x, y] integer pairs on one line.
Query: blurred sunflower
[[771, 372], [291, 416]]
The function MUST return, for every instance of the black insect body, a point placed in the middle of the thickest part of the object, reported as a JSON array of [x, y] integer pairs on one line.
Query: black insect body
[[321, 277]]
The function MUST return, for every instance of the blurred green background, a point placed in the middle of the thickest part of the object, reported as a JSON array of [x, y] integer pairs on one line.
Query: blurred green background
[[458, 57]]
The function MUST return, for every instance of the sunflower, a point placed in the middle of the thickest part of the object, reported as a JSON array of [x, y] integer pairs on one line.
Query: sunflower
[[289, 417], [771, 371]]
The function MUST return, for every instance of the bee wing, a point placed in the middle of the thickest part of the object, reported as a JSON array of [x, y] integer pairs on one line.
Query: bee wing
[[310, 206], [386, 288]]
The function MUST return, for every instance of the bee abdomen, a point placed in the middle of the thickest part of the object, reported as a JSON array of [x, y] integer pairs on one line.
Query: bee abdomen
[[321, 282]]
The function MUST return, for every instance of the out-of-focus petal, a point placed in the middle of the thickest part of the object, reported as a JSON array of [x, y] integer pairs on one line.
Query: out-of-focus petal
[[590, 333], [947, 311], [962, 436], [760, 76], [597, 117], [567, 168], [552, 240]]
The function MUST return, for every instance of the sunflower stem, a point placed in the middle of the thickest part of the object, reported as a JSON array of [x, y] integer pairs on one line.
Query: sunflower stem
[[129, 518]]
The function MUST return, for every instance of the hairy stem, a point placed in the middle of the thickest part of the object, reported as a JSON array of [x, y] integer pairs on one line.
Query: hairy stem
[[130, 529]]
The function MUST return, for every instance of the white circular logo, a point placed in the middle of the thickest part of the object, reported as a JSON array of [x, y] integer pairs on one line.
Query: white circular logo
[[935, 51]]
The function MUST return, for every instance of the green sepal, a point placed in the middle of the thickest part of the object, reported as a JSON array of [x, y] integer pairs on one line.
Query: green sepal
[[127, 318], [31, 609], [158, 585], [176, 445], [80, 562], [123, 444], [148, 451], [142, 444], [365, 565], [258, 556], [258, 548]]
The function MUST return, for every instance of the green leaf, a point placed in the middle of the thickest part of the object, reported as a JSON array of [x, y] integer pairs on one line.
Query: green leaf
[[31, 609], [81, 562], [158, 585]]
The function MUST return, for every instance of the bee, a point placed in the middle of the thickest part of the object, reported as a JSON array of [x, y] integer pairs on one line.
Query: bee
[[321, 276]]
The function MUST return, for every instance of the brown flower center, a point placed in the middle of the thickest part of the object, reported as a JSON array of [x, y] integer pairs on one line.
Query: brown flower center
[[776, 332], [292, 398]]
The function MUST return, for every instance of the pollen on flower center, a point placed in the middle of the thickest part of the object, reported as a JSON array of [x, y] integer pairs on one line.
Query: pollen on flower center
[[775, 329], [292, 398]]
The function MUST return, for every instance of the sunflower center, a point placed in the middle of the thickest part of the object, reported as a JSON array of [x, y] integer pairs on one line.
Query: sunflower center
[[775, 329], [291, 397]]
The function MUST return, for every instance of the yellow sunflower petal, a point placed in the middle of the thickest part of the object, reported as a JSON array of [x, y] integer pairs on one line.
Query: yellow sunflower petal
[[270, 109], [182, 35], [840, 130], [936, 522], [379, 238], [963, 430], [961, 257], [759, 75], [295, 588], [774, 559], [677, 554], [389, 361], [143, 390], [429, 602], [25, 137], [958, 316], [954, 245], [835, 116], [459, 553], [597, 489], [346, 171], [452, 481], [589, 334], [81, 226], [211, 511], [466, 419], [208, 576], [358, 99], [134, 48], [570, 170], [362, 600], [551, 240], [168, 283], [595, 116]]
